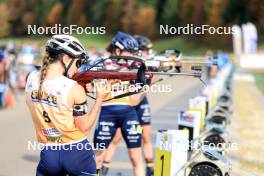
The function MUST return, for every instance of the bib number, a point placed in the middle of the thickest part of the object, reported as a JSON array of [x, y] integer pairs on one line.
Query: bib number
[[46, 117]]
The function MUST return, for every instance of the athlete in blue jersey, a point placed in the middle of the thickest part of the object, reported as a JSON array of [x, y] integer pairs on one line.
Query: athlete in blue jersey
[[118, 116], [143, 113]]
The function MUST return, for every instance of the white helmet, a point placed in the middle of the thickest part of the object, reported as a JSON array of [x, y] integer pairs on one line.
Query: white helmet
[[66, 43]]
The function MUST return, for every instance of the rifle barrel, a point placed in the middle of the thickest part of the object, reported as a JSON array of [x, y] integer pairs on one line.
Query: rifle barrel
[[173, 74]]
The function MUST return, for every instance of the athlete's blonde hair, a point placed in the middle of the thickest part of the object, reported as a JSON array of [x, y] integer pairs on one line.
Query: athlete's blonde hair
[[47, 60]]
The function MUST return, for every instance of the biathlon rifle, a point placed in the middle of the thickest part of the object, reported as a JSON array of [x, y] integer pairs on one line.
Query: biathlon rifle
[[136, 72]]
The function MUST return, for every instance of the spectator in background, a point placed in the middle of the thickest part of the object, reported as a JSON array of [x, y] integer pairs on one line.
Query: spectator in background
[[6, 95], [27, 55], [2, 65], [12, 67], [222, 59], [208, 55], [27, 64]]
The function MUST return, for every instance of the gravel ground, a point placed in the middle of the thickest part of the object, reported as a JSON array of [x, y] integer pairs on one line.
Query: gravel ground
[[247, 128]]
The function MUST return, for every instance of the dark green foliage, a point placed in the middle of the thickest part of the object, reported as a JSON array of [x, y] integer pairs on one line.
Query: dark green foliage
[[130, 15]]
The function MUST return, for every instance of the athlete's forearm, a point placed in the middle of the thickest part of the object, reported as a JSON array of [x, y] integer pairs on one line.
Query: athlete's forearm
[[92, 115]]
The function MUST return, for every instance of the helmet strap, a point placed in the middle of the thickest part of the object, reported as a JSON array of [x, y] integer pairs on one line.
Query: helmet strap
[[66, 68]]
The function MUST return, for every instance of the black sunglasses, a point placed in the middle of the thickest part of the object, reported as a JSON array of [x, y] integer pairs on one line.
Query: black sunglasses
[[82, 61]]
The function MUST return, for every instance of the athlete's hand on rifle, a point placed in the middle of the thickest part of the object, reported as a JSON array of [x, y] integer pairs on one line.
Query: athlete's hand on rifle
[[90, 87], [113, 81], [102, 88]]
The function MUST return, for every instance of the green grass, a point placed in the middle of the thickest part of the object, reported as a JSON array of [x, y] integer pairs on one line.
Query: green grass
[[94, 41], [260, 81], [89, 41], [188, 47], [261, 47]]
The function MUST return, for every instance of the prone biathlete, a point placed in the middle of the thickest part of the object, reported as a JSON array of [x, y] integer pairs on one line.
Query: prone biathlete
[[118, 116], [142, 108], [59, 110]]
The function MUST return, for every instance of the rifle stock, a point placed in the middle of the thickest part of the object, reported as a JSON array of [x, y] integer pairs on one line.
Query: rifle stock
[[85, 77]]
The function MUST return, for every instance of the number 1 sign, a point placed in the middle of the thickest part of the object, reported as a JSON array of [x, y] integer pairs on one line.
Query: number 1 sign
[[170, 152]]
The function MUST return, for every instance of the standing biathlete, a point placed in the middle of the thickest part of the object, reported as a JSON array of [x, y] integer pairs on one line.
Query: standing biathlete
[[143, 113], [119, 115], [58, 106]]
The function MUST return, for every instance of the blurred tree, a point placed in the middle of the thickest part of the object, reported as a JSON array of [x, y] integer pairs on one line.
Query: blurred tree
[[256, 15], [144, 21], [55, 14], [254, 10], [128, 15], [66, 7], [261, 18], [5, 26], [132, 16], [239, 12], [113, 15], [76, 13], [151, 3], [186, 10], [215, 14], [98, 15], [18, 11], [170, 13], [42, 9], [215, 18], [28, 18], [160, 7], [198, 15], [236, 11]]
